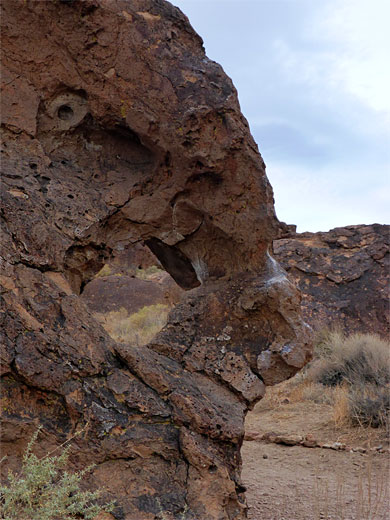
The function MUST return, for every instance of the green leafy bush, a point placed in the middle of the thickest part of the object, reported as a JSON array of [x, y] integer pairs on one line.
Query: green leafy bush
[[44, 490]]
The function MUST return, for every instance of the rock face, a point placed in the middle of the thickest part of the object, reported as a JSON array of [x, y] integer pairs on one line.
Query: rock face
[[343, 274], [117, 131]]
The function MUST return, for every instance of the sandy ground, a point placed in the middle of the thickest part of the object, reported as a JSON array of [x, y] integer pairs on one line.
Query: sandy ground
[[298, 483]]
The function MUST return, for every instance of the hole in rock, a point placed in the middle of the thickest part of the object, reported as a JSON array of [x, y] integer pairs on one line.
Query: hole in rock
[[132, 295], [65, 112], [130, 288]]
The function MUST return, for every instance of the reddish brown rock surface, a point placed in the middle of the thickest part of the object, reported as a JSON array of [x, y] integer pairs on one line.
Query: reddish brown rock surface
[[343, 275], [117, 131]]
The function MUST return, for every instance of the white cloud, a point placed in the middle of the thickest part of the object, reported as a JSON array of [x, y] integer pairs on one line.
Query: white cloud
[[345, 47], [360, 31], [324, 198]]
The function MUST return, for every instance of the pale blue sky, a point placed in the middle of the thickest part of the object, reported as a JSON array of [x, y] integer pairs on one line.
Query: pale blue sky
[[313, 79]]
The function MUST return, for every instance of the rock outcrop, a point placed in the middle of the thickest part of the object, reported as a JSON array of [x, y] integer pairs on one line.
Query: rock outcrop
[[343, 274], [117, 130]]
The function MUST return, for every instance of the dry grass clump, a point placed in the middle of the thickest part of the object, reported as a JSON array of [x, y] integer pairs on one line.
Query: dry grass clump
[[104, 271], [366, 498], [138, 328], [358, 368], [341, 405], [370, 405], [143, 274], [317, 393], [148, 272]]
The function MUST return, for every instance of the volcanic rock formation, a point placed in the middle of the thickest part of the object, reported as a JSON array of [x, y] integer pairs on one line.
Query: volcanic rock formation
[[117, 130], [343, 274]]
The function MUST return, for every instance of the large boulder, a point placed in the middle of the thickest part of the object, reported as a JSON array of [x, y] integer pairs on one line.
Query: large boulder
[[343, 274], [118, 130]]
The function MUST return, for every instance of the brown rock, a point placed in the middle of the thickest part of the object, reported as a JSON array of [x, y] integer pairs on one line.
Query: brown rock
[[288, 439], [253, 436], [343, 274], [360, 449], [270, 436], [309, 441], [119, 131], [338, 446]]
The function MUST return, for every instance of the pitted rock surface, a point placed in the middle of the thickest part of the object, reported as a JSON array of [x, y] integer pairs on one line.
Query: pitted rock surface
[[118, 131], [343, 274]]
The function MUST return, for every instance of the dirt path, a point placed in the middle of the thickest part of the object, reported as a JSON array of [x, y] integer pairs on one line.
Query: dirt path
[[299, 483]]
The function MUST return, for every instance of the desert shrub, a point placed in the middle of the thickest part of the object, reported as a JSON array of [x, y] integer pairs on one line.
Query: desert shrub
[[369, 405], [138, 328], [358, 368], [44, 490], [356, 359], [325, 340]]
